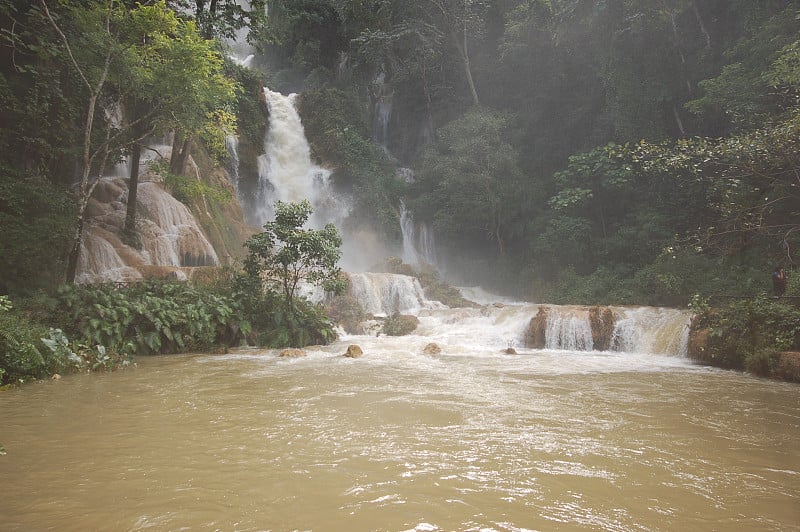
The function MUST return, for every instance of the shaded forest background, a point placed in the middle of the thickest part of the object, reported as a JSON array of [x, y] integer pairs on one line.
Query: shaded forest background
[[568, 151]]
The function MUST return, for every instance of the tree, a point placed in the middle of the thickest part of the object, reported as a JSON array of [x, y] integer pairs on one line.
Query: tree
[[471, 180], [286, 254], [93, 73], [171, 79]]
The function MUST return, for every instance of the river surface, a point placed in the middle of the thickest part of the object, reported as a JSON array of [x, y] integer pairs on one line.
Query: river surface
[[401, 440]]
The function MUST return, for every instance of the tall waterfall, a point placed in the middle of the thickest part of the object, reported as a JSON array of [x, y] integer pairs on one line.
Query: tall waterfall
[[286, 172]]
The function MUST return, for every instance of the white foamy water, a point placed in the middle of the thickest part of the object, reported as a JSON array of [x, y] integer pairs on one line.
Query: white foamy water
[[286, 172], [498, 326]]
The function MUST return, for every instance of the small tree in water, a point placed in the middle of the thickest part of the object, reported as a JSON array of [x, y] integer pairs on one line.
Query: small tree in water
[[281, 257]]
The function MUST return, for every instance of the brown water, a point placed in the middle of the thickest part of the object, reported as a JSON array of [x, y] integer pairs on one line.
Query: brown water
[[398, 440]]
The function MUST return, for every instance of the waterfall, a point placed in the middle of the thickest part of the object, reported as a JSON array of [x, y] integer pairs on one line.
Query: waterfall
[[382, 110], [569, 329], [286, 172], [170, 235], [651, 330], [629, 330], [417, 251], [387, 293], [232, 146]]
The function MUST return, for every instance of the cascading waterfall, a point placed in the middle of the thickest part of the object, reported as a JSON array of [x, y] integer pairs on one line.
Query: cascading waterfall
[[569, 329], [417, 251], [232, 146], [382, 110], [171, 237], [386, 293], [651, 330], [659, 331], [286, 172]]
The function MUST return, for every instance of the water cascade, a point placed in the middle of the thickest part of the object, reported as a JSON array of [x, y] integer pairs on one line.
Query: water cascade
[[417, 250], [286, 172], [170, 235], [525, 325], [232, 167], [385, 293], [382, 110]]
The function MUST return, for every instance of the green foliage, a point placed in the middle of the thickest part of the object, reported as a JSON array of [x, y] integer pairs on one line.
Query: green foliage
[[149, 317], [280, 258], [37, 220], [187, 189], [470, 181], [23, 356], [285, 253], [399, 324], [747, 334]]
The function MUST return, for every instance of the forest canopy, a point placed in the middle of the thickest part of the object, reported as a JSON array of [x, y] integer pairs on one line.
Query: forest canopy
[[627, 151]]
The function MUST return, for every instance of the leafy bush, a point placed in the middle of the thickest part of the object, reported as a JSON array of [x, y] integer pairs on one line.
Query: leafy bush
[[747, 334], [399, 324], [149, 317], [23, 356]]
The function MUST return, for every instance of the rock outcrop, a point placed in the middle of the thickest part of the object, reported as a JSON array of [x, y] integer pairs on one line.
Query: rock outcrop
[[536, 334], [432, 349], [353, 351], [602, 322]]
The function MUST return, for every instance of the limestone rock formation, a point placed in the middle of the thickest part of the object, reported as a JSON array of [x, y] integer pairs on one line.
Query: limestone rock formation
[[602, 321]]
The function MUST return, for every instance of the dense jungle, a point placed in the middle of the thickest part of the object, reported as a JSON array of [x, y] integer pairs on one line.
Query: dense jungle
[[626, 152]]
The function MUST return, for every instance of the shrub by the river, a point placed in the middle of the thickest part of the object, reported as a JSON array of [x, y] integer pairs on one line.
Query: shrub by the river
[[149, 317], [748, 334]]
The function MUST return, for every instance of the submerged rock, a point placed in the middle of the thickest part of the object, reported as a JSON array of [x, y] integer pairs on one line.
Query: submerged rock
[[353, 351], [432, 349], [292, 352]]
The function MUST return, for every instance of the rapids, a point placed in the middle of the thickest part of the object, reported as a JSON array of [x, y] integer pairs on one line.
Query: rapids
[[470, 439]]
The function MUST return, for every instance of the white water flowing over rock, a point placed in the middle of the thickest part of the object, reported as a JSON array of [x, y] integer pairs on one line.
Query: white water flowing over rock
[[642, 330], [387, 293], [171, 237], [417, 250], [286, 172]]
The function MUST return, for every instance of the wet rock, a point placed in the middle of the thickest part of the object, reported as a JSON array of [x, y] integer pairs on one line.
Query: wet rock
[[510, 351], [432, 349], [698, 344], [535, 334], [55, 376], [602, 320], [292, 353], [353, 351]]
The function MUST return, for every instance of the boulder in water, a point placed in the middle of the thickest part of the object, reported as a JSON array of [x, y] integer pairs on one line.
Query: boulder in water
[[601, 320], [353, 351], [292, 352], [432, 349], [510, 351], [400, 325], [536, 333]]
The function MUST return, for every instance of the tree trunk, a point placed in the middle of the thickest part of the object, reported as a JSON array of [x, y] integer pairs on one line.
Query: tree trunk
[[75, 252], [180, 153], [133, 188], [463, 51]]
